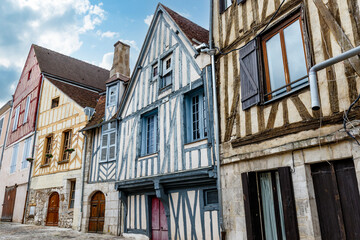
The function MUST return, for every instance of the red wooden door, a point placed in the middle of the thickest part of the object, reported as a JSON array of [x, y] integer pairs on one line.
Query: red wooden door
[[52, 218], [9, 202], [159, 227], [97, 213]]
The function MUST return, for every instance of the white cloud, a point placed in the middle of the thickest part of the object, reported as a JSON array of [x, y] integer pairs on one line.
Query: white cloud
[[148, 19], [107, 34], [132, 44], [107, 60]]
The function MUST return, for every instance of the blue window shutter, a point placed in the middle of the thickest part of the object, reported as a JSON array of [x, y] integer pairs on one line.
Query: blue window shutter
[[249, 75]]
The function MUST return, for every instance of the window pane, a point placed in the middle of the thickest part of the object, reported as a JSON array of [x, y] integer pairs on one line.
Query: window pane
[[295, 53], [103, 154], [275, 63], [150, 134], [280, 205], [195, 117], [268, 209], [112, 138], [112, 152]]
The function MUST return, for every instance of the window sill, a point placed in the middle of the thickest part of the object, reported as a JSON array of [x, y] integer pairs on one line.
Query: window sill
[[148, 155], [197, 142], [164, 89], [62, 162], [108, 161], [45, 165], [286, 94]]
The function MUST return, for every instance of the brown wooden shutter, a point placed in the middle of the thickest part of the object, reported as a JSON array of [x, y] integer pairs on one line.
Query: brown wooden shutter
[[251, 204], [288, 202], [249, 75]]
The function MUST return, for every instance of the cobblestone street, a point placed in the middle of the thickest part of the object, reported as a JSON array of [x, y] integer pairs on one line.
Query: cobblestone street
[[22, 231]]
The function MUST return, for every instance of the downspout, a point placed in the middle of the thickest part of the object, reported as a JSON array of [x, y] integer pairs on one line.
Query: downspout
[[211, 52], [6, 134], [314, 91], [33, 148], [83, 180]]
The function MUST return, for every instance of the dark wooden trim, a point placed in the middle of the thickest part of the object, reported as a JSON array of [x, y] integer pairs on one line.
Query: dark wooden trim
[[302, 110], [272, 115], [293, 128]]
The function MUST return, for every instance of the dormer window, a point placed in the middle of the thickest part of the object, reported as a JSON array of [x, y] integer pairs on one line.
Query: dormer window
[[112, 96]]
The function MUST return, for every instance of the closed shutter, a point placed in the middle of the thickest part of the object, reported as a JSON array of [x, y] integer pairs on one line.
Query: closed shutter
[[249, 75], [112, 146], [251, 204], [104, 144], [288, 202], [14, 158]]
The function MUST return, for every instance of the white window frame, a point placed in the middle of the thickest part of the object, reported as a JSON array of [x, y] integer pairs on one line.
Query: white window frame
[[14, 158], [107, 130], [112, 103], [26, 153], [27, 106], [166, 71], [16, 118], [144, 136]]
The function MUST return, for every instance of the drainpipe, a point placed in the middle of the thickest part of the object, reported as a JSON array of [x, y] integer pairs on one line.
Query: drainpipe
[[315, 101], [83, 180], [6, 134], [33, 148], [211, 52]]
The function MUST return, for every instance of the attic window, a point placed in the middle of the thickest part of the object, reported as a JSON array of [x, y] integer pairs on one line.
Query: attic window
[[55, 102], [155, 71], [29, 75], [112, 96]]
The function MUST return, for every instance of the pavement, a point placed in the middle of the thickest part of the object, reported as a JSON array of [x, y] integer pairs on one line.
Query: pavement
[[22, 231]]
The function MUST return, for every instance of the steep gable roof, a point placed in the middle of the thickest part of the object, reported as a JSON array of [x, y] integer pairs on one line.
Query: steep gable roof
[[189, 28], [99, 114], [70, 69], [81, 96]]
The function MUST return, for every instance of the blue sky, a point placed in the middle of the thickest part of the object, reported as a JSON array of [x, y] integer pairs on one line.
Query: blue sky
[[83, 29]]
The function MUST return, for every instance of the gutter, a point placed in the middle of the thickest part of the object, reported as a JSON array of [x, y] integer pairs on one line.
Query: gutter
[[211, 52], [83, 180], [33, 148], [314, 91], [6, 134]]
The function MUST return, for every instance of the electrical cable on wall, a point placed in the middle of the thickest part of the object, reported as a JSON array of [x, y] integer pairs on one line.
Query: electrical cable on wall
[[346, 120], [266, 26]]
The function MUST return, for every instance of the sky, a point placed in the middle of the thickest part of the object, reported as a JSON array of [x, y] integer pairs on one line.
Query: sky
[[83, 29]]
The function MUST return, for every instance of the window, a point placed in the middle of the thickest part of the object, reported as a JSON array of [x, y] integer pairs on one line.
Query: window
[[14, 158], [149, 133], [211, 197], [112, 96], [72, 194], [48, 150], [166, 80], [27, 109], [108, 142], [270, 210], [284, 59], [155, 71], [55, 102], [66, 145], [1, 124], [224, 4], [29, 75], [26, 154], [16, 118], [196, 116]]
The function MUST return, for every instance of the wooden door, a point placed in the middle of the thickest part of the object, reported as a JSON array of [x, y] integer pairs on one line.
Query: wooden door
[[97, 213], [159, 227], [337, 199], [9, 203], [52, 218]]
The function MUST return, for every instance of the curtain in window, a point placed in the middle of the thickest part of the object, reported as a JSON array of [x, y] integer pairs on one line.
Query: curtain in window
[[268, 209]]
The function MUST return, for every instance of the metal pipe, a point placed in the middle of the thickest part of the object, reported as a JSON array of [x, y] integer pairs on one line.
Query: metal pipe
[[216, 117], [6, 133], [33, 148], [315, 101], [83, 180]]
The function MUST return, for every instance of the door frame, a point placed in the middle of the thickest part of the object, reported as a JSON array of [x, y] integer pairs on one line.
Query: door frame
[[47, 212], [91, 196]]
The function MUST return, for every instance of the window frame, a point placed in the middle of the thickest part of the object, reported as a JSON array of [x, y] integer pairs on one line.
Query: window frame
[[107, 130], [72, 193], [203, 116], [26, 153], [46, 160], [153, 66], [14, 157], [2, 119], [29, 75], [53, 101], [210, 206], [27, 108], [165, 72], [109, 103], [279, 28], [144, 148], [16, 118], [63, 148], [223, 5]]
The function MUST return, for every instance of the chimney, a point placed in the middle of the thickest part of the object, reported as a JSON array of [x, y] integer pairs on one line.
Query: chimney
[[121, 59]]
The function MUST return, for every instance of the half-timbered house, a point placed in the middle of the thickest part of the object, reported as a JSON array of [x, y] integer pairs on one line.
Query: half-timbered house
[[69, 93], [165, 173], [287, 171]]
